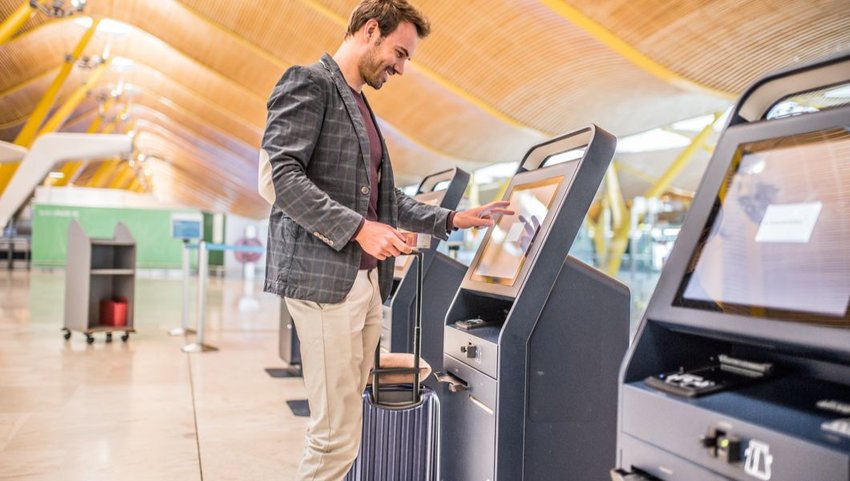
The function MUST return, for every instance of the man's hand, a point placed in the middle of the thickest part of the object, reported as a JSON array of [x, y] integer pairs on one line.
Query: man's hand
[[481, 216], [381, 241]]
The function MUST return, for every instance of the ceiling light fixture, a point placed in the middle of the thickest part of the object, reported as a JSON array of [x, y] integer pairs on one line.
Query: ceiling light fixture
[[106, 25], [651, 140], [86, 62], [841, 92], [121, 64], [57, 8]]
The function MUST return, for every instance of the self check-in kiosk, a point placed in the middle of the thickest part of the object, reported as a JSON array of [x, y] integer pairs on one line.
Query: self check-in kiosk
[[534, 338], [740, 369], [442, 276]]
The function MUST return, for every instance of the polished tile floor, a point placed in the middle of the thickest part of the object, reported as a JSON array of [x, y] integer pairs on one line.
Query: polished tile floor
[[143, 410]]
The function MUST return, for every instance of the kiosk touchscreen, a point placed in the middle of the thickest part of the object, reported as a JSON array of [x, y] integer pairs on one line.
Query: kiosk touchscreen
[[533, 338], [741, 366], [442, 275], [505, 253]]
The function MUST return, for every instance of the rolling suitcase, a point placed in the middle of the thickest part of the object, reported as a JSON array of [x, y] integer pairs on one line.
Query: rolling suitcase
[[400, 421]]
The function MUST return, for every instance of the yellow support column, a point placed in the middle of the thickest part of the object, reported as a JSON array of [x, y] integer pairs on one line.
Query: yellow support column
[[136, 186], [663, 182], [104, 173], [615, 195], [72, 168], [7, 171], [74, 100], [599, 231], [621, 235], [16, 20], [28, 133], [123, 178], [113, 124], [627, 51]]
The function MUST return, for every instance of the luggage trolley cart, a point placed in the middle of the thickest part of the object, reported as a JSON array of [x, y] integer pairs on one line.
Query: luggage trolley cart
[[100, 277]]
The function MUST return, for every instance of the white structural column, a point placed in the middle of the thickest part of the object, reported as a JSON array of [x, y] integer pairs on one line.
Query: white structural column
[[49, 149]]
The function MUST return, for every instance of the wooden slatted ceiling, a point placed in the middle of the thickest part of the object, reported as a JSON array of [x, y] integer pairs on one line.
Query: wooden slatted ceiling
[[416, 106], [726, 44], [516, 56], [17, 106], [497, 142], [211, 140], [489, 79]]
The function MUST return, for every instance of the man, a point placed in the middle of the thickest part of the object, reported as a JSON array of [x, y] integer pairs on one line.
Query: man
[[332, 228]]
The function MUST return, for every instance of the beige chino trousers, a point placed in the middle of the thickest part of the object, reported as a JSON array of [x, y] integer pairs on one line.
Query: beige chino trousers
[[338, 343]]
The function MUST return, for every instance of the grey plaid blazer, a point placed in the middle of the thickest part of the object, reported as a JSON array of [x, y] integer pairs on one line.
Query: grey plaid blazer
[[318, 150]]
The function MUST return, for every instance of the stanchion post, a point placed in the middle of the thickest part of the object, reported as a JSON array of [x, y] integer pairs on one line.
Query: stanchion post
[[184, 319], [203, 274]]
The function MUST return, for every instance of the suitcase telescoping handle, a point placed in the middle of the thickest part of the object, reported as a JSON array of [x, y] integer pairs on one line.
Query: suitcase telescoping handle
[[378, 371]]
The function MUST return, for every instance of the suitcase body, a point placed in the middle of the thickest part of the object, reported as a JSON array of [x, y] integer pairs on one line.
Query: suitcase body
[[399, 444], [400, 437]]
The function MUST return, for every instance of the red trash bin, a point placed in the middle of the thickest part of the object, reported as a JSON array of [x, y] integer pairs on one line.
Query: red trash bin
[[113, 312]]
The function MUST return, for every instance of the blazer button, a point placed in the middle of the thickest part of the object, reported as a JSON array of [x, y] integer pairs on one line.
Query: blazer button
[[364, 190]]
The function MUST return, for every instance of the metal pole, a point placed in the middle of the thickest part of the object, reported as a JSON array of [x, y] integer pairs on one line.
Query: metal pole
[[184, 318], [203, 273]]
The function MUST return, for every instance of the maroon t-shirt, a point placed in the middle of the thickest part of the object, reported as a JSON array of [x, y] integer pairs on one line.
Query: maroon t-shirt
[[376, 155]]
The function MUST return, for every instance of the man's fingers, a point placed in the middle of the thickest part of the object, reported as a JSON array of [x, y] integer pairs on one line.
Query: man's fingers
[[392, 248], [501, 211], [400, 245], [399, 234]]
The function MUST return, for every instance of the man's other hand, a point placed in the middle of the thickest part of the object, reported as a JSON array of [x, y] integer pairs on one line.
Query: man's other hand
[[481, 216], [381, 241]]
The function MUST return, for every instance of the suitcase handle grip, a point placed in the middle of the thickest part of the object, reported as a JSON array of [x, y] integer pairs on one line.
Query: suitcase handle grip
[[455, 383], [416, 388]]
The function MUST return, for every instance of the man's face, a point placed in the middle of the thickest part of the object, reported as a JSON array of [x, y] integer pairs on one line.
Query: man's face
[[386, 55]]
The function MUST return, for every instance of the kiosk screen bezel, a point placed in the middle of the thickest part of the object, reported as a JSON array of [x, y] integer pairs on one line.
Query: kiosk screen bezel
[[773, 233], [567, 171], [755, 323]]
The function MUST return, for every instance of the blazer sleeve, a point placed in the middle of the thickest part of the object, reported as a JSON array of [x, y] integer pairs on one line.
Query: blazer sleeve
[[295, 115], [420, 217]]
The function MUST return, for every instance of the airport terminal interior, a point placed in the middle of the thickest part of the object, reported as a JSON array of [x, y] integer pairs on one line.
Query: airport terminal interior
[[669, 300]]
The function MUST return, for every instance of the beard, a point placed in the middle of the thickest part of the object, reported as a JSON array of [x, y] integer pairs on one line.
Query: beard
[[371, 68]]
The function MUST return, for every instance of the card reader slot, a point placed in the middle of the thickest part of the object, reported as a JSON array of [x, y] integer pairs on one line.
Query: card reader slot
[[454, 383]]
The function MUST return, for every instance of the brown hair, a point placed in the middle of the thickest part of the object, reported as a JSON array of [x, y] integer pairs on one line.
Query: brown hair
[[389, 14]]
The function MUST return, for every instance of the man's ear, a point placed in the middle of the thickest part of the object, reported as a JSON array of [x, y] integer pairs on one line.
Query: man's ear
[[371, 29]]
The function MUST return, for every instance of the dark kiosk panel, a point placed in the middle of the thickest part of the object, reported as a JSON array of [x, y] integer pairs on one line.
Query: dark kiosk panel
[[534, 338], [740, 369], [442, 276]]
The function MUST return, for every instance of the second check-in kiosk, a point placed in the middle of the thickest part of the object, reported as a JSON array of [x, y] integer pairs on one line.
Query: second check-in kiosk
[[442, 276], [534, 338]]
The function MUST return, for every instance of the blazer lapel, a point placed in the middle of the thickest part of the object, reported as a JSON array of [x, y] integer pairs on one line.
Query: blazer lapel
[[353, 111]]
